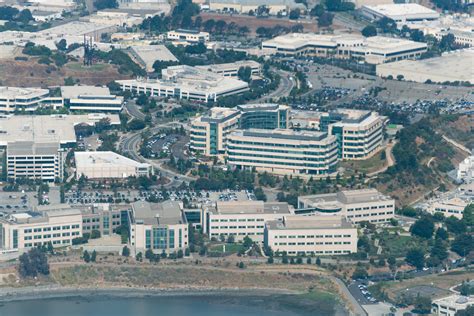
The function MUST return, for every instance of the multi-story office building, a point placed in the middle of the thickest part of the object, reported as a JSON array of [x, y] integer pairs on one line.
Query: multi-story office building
[[232, 69], [190, 36], [158, 227], [451, 305], [186, 82], [101, 165], [449, 207], [91, 99], [103, 218], [209, 132], [26, 99], [318, 235], [27, 159], [465, 170], [356, 205], [283, 151], [241, 218], [274, 7], [399, 12], [373, 50], [19, 231], [359, 133]]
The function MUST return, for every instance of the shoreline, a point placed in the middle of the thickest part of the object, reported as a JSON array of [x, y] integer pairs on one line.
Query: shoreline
[[13, 294]]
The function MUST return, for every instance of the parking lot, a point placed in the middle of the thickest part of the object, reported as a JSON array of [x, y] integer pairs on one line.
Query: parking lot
[[359, 290]]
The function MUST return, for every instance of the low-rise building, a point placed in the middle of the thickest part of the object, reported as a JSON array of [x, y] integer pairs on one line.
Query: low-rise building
[[159, 227], [450, 305], [283, 151], [241, 218], [309, 236], [101, 165], [449, 207], [399, 12], [104, 218], [21, 231], [147, 55], [274, 7], [13, 99], [465, 171], [366, 205], [373, 50], [186, 82], [91, 99], [190, 36], [232, 69]]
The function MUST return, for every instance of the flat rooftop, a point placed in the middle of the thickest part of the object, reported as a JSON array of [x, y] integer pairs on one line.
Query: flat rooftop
[[148, 54], [251, 207], [16, 92], [76, 28], [402, 9], [219, 115], [28, 148], [260, 107], [104, 159], [282, 134], [310, 222], [47, 128], [230, 66], [165, 213], [346, 197], [72, 92]]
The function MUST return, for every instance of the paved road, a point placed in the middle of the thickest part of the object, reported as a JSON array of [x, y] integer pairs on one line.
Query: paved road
[[134, 110], [358, 310], [284, 89]]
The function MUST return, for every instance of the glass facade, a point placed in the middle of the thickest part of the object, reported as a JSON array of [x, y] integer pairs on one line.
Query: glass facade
[[171, 238], [213, 138], [148, 239], [15, 238], [160, 238], [106, 224]]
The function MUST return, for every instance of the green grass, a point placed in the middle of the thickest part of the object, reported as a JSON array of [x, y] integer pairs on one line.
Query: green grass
[[365, 166], [398, 246], [80, 66], [229, 248]]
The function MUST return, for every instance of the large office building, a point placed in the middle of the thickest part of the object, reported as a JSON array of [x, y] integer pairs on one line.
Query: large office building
[[101, 165], [189, 36], [209, 132], [274, 7], [399, 12], [373, 50], [465, 170], [359, 133], [454, 66], [232, 69], [186, 82], [20, 231], [449, 206], [241, 218], [283, 151], [91, 99], [309, 236], [36, 145], [159, 227], [451, 305], [13, 99], [357, 205], [104, 218]]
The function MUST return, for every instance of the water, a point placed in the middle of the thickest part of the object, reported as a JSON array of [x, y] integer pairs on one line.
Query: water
[[156, 306]]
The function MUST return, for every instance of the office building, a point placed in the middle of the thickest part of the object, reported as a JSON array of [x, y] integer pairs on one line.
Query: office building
[[189, 36], [104, 218], [160, 227], [91, 99], [372, 50], [209, 132], [232, 69], [283, 151], [186, 82], [39, 161], [241, 218], [454, 66], [465, 171], [309, 236], [21, 231], [147, 55], [450, 305], [100, 165], [399, 12], [449, 206], [356, 205], [359, 133], [274, 7], [13, 99]]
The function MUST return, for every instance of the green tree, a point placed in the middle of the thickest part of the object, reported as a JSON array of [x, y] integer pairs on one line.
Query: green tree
[[369, 31], [317, 10], [469, 311], [248, 242], [360, 273], [32, 263], [468, 216], [294, 14], [423, 227], [416, 258], [93, 256], [105, 4], [139, 256], [463, 244], [439, 250], [86, 256], [125, 251]]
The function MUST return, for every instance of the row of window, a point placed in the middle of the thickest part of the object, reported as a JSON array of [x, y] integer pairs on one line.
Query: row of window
[[311, 243], [368, 208], [54, 242], [48, 229], [48, 236], [312, 236], [239, 234], [237, 227], [239, 220], [371, 214], [310, 253]]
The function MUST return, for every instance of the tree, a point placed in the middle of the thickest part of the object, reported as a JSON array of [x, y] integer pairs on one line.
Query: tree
[[318, 261], [369, 31], [422, 304], [439, 250], [317, 10], [86, 256], [455, 225], [139, 256], [95, 234], [308, 260], [441, 233], [105, 4], [33, 262], [136, 125], [241, 265], [231, 239], [360, 273], [468, 216], [424, 227], [93, 256], [463, 244], [62, 45], [416, 258], [245, 74], [270, 260], [248, 242], [469, 311], [325, 19], [125, 251], [294, 14]]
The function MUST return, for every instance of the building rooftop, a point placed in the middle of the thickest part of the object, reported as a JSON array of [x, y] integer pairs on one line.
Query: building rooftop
[[457, 301], [22, 93], [219, 115], [230, 66], [46, 128], [27, 148], [396, 10], [260, 107], [346, 197], [72, 92], [290, 3], [164, 213], [104, 159], [283, 134], [252, 207], [75, 28], [310, 222], [147, 55]]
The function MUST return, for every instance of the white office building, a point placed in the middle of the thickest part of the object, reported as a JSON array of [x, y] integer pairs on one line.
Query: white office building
[[399, 12], [99, 165], [449, 206], [26, 99], [283, 151], [373, 50], [21, 231], [465, 171], [450, 305], [356, 205], [309, 236], [189, 36], [232, 69], [241, 218], [91, 99], [160, 227], [186, 82]]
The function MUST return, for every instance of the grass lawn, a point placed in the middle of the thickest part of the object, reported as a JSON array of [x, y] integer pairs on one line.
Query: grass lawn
[[80, 66], [398, 246], [229, 248], [365, 166]]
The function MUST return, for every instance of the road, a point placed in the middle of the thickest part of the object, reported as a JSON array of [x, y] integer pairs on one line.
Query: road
[[457, 145], [134, 110], [283, 90], [356, 307]]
